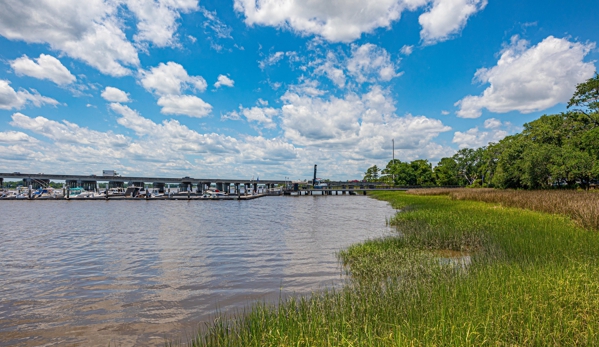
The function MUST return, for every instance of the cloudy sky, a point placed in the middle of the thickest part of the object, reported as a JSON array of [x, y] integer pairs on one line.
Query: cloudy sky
[[268, 88]]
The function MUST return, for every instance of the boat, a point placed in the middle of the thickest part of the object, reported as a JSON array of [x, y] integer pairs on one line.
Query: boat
[[80, 193], [8, 195], [156, 194], [46, 193], [213, 194], [116, 191]]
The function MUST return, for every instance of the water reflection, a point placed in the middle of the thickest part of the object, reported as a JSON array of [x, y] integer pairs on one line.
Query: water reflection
[[86, 273]]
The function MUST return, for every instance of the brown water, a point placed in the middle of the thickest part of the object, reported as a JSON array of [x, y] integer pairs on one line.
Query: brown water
[[130, 273]]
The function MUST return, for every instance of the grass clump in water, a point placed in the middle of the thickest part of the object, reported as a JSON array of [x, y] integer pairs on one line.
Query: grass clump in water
[[530, 279]]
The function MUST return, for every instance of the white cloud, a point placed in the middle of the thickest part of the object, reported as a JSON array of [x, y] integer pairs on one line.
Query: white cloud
[[445, 112], [11, 99], [79, 29], [67, 132], [224, 81], [16, 136], [447, 17], [332, 69], [113, 94], [336, 20], [474, 138], [272, 59], [187, 105], [157, 19], [492, 123], [213, 23], [370, 63], [362, 125], [530, 79], [262, 115], [170, 79], [94, 30], [407, 50], [45, 67]]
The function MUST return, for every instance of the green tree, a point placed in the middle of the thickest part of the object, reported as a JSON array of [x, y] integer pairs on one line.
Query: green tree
[[388, 173], [423, 172], [447, 173], [586, 99], [572, 165], [469, 162], [372, 174], [405, 175]]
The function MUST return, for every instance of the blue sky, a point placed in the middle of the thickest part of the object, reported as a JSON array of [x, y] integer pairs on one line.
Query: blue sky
[[269, 88]]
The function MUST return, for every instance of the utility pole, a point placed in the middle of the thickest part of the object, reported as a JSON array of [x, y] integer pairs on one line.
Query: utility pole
[[393, 162]]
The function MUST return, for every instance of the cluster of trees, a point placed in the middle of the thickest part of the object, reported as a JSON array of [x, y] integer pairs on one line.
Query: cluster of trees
[[560, 150]]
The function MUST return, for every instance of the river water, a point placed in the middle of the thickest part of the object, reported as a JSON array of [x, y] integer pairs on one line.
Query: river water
[[130, 273]]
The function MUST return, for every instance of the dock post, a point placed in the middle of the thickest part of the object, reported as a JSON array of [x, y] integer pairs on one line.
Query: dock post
[[30, 192]]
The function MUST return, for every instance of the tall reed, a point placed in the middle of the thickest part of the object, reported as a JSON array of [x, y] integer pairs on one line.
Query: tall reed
[[581, 206]]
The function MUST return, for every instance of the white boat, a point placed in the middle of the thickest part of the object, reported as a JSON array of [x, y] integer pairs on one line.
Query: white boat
[[116, 192], [80, 193], [8, 195], [213, 193], [155, 194]]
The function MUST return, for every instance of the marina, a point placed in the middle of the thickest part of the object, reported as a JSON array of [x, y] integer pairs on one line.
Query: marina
[[115, 187]]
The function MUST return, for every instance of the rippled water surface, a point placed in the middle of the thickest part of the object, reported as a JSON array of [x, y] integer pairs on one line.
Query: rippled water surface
[[85, 273]]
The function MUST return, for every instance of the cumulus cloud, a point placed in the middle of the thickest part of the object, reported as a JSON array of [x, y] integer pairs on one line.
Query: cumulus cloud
[[336, 20], [475, 138], [407, 50], [370, 63], [362, 124], [170, 79], [261, 115], [157, 20], [45, 67], [81, 29], [446, 18], [224, 81], [11, 99], [332, 69], [492, 123], [113, 94], [187, 105], [530, 79], [67, 132], [15, 137]]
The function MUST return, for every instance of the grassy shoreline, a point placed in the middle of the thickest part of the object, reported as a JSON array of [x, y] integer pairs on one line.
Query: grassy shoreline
[[530, 278]]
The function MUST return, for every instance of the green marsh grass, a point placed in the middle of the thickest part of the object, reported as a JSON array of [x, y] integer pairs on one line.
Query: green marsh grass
[[531, 279]]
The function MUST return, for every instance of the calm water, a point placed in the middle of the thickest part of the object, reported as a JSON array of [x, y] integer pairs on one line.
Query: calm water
[[132, 272]]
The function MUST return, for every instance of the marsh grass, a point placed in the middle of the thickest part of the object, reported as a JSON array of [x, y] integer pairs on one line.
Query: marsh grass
[[533, 280], [581, 206]]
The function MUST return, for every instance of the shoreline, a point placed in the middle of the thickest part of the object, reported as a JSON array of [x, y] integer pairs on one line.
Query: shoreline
[[530, 279]]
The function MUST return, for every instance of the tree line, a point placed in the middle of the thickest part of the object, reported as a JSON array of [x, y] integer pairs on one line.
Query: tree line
[[558, 150]]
